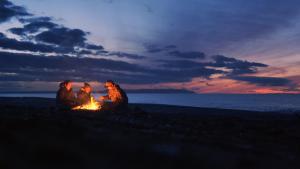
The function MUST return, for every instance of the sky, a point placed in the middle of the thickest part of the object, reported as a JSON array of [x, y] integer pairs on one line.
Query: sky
[[204, 46]]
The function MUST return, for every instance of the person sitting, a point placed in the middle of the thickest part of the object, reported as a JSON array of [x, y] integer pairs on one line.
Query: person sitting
[[65, 98], [84, 94], [117, 97]]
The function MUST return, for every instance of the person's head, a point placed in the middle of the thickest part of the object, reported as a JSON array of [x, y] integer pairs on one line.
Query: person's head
[[68, 84], [109, 84], [87, 88]]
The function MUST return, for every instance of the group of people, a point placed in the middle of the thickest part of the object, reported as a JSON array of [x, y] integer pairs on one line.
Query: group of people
[[115, 100]]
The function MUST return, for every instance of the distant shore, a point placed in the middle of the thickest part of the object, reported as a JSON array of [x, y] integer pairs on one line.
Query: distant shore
[[128, 91], [36, 135]]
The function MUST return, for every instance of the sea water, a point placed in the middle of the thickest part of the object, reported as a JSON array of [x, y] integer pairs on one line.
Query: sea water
[[258, 102]]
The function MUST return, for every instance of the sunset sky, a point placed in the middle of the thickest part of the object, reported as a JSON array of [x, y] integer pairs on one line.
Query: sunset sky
[[206, 46]]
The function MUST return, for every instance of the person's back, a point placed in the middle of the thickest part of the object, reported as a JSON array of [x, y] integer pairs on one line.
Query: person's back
[[65, 98], [83, 97], [117, 96]]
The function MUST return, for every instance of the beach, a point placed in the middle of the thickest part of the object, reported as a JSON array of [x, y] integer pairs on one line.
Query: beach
[[34, 134]]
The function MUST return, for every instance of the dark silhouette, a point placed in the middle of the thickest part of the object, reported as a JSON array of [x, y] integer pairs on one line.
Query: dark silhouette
[[65, 98], [116, 99], [84, 94]]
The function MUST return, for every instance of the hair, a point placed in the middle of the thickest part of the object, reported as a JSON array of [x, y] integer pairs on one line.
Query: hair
[[110, 81], [64, 83], [86, 84], [67, 81]]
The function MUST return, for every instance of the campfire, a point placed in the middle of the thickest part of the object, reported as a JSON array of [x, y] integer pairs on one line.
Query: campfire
[[93, 105]]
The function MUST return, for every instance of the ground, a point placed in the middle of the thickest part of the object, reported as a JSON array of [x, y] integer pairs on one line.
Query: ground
[[34, 134]]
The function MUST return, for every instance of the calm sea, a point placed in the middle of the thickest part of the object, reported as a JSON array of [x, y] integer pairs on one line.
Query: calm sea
[[268, 102]]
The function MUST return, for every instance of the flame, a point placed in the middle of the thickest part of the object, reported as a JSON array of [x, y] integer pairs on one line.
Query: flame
[[93, 105]]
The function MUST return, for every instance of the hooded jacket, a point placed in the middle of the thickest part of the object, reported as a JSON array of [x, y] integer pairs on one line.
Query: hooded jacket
[[65, 98], [83, 97]]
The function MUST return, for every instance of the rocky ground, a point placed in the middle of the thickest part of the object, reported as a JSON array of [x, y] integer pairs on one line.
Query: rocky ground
[[33, 134]]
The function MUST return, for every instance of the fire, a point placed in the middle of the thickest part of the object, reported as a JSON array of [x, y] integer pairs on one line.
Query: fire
[[93, 105]]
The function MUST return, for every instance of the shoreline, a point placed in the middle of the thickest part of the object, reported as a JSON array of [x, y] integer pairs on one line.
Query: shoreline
[[263, 103], [50, 103]]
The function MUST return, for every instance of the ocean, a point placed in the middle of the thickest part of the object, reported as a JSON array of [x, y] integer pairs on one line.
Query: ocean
[[257, 102]]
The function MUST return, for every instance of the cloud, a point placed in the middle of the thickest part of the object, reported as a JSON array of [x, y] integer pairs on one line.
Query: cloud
[[264, 81], [13, 44], [94, 47], [9, 10], [150, 48], [2, 35], [29, 67], [85, 52], [63, 37], [41, 34], [170, 47], [187, 55], [234, 66], [180, 64], [237, 66], [182, 75], [35, 19], [33, 27], [126, 55]]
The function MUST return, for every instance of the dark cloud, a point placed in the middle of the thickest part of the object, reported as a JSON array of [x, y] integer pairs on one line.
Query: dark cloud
[[102, 52], [264, 81], [170, 47], [237, 66], [126, 55], [2, 35], [17, 31], [28, 67], [7, 43], [33, 27], [85, 52], [156, 49], [41, 34], [63, 37], [59, 39], [94, 47], [187, 55], [181, 75], [233, 66], [35, 19], [9, 10], [181, 64]]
